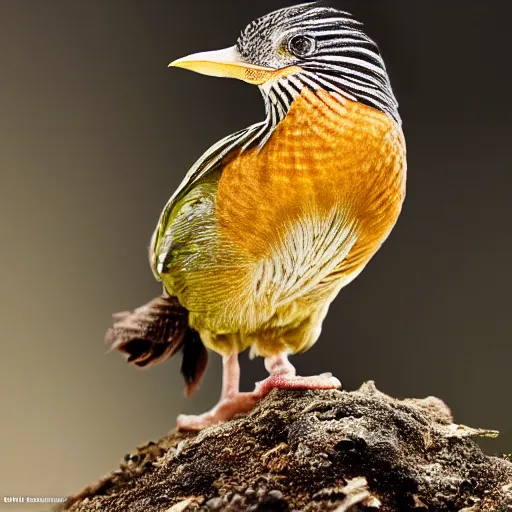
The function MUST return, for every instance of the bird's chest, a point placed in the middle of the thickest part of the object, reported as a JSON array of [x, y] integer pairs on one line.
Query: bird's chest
[[327, 157]]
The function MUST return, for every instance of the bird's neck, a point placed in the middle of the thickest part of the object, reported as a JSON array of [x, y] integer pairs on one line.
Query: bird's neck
[[280, 95]]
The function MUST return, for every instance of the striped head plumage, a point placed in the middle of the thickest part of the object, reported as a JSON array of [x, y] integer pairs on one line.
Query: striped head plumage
[[308, 45]]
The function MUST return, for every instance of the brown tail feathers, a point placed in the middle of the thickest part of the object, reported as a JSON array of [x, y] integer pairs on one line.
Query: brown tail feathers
[[155, 332]]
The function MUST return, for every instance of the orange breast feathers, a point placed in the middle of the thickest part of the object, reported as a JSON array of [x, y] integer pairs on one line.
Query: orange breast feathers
[[327, 152]]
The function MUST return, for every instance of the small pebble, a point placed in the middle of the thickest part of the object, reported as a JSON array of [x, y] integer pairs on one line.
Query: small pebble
[[277, 495], [214, 503]]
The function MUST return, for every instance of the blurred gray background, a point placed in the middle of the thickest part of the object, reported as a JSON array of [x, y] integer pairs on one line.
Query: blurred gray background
[[95, 135]]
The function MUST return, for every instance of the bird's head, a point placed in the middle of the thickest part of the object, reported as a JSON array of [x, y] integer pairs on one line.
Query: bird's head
[[308, 45]]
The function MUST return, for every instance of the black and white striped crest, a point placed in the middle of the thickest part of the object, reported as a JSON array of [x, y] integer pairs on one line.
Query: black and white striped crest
[[334, 53]]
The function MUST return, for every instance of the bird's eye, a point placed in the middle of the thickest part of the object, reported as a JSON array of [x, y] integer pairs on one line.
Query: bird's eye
[[301, 46]]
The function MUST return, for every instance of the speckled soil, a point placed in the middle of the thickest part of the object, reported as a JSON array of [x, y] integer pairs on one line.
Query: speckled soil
[[313, 451]]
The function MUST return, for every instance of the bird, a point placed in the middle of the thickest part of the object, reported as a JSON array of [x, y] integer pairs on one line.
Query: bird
[[274, 220]]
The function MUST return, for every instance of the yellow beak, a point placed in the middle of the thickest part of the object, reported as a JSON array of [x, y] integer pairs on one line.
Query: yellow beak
[[228, 63]]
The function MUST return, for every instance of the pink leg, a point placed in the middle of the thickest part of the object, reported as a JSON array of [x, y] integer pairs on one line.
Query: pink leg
[[231, 401], [283, 376]]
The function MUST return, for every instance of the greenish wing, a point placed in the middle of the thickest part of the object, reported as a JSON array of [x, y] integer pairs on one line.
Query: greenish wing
[[187, 221], [188, 229]]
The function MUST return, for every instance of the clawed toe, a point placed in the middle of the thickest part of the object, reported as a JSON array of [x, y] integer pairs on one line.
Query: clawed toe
[[225, 410], [186, 422], [323, 381]]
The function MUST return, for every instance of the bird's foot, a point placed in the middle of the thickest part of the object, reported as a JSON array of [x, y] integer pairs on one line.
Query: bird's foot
[[232, 402], [225, 410], [291, 381]]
